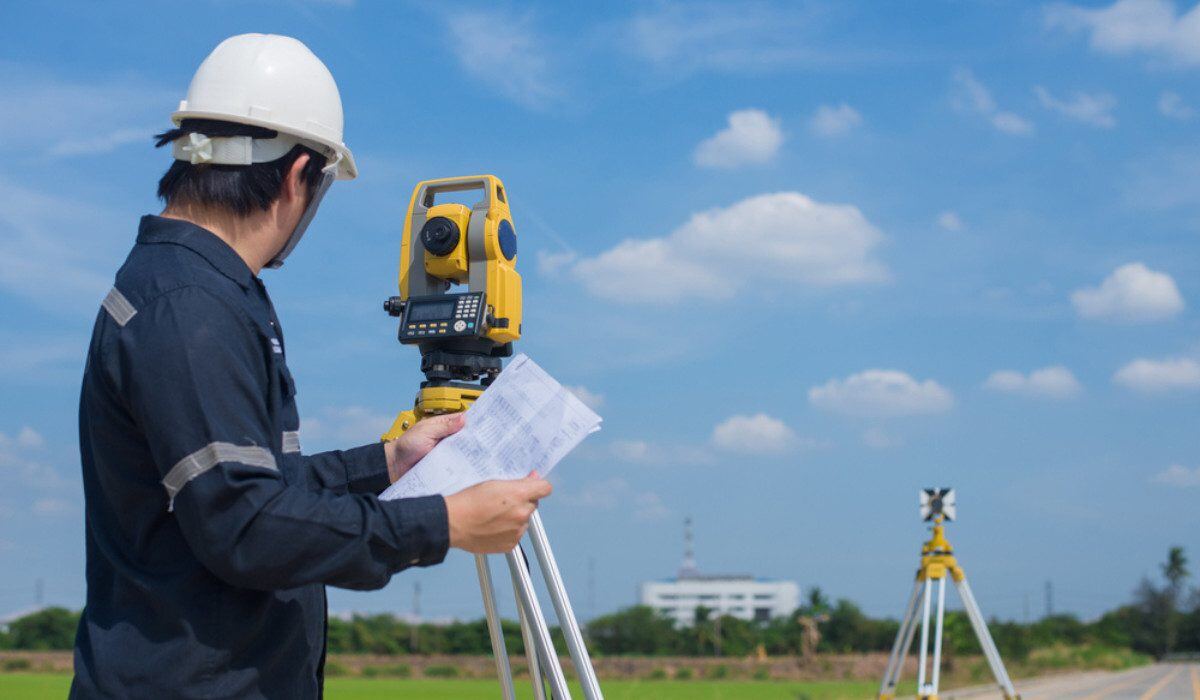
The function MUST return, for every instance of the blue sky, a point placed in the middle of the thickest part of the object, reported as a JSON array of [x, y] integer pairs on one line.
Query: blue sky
[[804, 258]]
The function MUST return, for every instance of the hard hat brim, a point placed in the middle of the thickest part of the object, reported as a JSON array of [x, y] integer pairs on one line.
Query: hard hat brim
[[347, 169]]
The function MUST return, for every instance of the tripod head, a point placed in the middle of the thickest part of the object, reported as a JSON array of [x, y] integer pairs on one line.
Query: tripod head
[[463, 334]]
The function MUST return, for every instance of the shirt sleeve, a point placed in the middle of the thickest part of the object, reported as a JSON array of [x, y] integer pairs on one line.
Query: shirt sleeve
[[197, 383], [358, 470]]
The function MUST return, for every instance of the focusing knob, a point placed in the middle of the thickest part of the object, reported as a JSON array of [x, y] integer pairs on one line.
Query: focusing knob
[[440, 235], [394, 306]]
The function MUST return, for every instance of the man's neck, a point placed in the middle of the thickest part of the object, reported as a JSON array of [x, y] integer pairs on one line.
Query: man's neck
[[253, 237]]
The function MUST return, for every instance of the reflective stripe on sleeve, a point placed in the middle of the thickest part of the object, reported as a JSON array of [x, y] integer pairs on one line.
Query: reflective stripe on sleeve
[[210, 456], [291, 441], [118, 307]]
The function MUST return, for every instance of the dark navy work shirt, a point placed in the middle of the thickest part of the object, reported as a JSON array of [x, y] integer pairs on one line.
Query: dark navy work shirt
[[210, 536]]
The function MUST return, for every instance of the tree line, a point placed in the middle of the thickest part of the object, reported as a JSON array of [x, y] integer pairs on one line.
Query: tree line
[[1163, 617]]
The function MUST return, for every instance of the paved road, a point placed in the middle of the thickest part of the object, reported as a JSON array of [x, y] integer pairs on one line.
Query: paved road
[[1158, 682]]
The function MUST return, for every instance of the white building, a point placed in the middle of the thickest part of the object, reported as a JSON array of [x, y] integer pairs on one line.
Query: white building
[[740, 596], [744, 597]]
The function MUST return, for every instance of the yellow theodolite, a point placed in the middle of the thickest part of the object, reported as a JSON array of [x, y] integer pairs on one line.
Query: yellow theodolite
[[462, 335]]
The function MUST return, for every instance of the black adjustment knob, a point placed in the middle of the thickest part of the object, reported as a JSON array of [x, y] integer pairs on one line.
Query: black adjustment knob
[[439, 235], [394, 306]]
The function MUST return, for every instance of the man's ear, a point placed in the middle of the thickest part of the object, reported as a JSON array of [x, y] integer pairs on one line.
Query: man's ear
[[294, 186]]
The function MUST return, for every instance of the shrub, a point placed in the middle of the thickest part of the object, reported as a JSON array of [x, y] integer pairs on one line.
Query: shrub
[[657, 674], [683, 673], [762, 673], [716, 673], [17, 665], [391, 671], [442, 671], [333, 669]]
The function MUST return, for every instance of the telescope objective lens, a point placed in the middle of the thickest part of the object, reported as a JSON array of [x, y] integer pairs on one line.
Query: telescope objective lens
[[439, 235]]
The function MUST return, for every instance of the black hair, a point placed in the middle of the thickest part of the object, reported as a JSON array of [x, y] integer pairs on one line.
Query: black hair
[[239, 189]]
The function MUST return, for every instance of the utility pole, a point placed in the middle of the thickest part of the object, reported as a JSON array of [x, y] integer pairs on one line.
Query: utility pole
[[1049, 598], [39, 589], [1027, 607]]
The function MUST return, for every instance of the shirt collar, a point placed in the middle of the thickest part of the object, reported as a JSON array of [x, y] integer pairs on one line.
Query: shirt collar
[[205, 243]]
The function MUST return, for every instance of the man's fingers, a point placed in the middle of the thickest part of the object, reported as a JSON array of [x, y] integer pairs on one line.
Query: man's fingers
[[443, 426], [536, 489]]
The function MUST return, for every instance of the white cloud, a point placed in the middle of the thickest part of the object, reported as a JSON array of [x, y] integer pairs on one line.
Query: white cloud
[[616, 492], [785, 238], [759, 434], [63, 118], [23, 465], [654, 453], [1178, 475], [632, 450], [589, 398], [680, 38], [1160, 376], [648, 507], [42, 255], [973, 97], [881, 392], [752, 137], [30, 438], [503, 52], [879, 439], [1132, 293], [343, 426], [1048, 382], [1171, 105], [1095, 110], [102, 143], [1012, 124], [550, 264], [831, 121], [950, 221], [1149, 27]]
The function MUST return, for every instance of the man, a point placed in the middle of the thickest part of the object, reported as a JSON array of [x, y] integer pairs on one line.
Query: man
[[210, 537]]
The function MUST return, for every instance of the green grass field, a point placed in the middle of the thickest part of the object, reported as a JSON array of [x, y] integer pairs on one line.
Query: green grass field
[[35, 686]]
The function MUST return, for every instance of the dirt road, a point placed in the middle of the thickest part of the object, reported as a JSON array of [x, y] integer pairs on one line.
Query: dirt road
[[1158, 682]]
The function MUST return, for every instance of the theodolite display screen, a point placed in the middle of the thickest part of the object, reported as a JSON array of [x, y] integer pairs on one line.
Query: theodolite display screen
[[427, 311], [442, 315]]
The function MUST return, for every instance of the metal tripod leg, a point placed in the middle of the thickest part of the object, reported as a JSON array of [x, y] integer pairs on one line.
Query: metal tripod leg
[[562, 608], [985, 638], [891, 676], [531, 651], [923, 657], [527, 599], [495, 632], [937, 636]]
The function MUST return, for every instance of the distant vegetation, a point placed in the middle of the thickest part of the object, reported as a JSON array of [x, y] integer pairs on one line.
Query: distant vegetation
[[1163, 617]]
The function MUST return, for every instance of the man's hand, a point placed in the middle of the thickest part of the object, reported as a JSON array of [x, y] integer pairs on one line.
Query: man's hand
[[417, 441], [490, 518]]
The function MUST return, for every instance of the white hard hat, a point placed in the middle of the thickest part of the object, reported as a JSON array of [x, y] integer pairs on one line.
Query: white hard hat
[[273, 82]]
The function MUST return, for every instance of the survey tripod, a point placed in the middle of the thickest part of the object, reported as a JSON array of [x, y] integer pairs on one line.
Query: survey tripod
[[938, 562], [463, 338]]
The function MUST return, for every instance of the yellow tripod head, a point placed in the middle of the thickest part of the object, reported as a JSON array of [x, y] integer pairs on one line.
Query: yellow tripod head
[[460, 293]]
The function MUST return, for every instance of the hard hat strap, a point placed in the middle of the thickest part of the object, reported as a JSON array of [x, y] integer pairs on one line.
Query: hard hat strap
[[199, 149]]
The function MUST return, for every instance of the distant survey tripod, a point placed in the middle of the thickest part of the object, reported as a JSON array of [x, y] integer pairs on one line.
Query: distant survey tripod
[[938, 562]]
